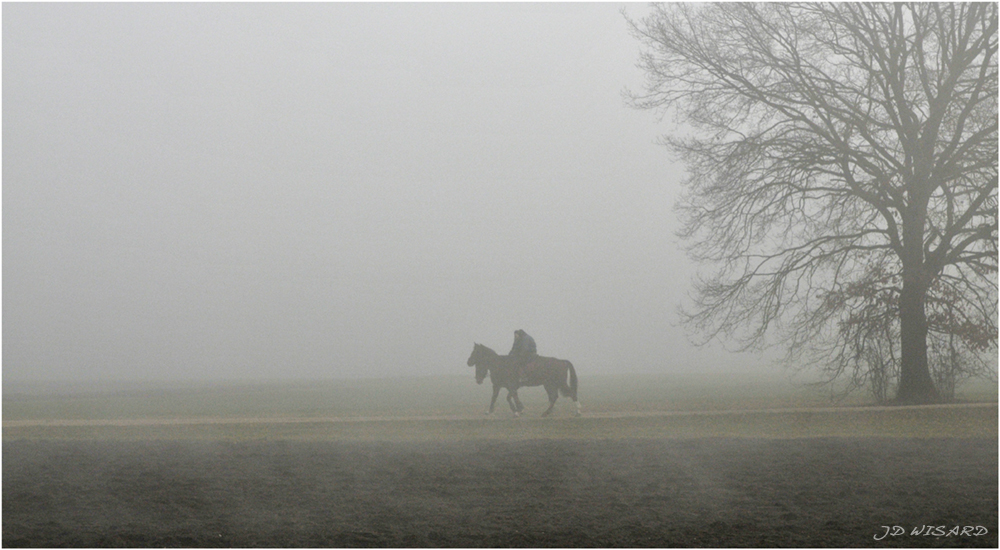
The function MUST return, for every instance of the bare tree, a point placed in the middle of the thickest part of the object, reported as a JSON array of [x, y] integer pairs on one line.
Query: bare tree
[[863, 344], [962, 333], [825, 139]]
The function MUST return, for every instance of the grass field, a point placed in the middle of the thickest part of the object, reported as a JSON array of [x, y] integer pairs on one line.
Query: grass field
[[451, 407], [655, 461]]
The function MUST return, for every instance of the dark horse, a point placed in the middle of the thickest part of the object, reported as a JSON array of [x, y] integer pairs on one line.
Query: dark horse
[[544, 371]]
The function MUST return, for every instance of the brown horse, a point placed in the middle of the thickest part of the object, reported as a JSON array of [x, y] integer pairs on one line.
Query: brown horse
[[542, 371], [496, 366]]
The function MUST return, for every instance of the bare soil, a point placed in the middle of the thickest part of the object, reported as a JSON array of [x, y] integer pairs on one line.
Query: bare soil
[[721, 492]]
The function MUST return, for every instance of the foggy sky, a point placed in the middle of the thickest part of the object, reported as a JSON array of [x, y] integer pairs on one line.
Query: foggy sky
[[255, 191]]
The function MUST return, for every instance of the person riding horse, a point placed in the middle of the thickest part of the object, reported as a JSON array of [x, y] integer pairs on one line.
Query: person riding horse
[[524, 351]]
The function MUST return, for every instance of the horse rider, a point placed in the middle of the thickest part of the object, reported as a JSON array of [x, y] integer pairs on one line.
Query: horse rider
[[523, 351]]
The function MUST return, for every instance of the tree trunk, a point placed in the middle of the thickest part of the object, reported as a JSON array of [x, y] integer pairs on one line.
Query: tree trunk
[[915, 383]]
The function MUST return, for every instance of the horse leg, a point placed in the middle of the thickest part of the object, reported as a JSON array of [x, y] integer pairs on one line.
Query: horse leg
[[517, 401], [493, 402], [553, 395], [511, 396], [570, 393]]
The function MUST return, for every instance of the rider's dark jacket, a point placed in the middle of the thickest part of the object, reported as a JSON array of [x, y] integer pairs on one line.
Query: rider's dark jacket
[[524, 344]]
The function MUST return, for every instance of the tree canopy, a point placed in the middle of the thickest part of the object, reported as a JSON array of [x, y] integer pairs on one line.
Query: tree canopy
[[834, 152]]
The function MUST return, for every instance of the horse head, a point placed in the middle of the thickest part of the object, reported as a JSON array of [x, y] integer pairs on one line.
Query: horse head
[[479, 359], [474, 358]]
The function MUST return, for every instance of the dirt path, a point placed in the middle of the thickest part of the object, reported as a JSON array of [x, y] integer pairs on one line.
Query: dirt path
[[300, 420]]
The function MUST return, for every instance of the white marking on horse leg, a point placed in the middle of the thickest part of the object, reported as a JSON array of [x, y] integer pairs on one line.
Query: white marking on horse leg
[[577, 408]]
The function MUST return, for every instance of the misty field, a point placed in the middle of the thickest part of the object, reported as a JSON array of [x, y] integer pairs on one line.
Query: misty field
[[654, 461]]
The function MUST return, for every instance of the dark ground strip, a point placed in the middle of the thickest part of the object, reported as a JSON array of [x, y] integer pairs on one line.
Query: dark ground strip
[[828, 492]]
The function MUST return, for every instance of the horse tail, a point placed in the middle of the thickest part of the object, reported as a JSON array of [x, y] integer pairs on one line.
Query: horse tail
[[570, 391]]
